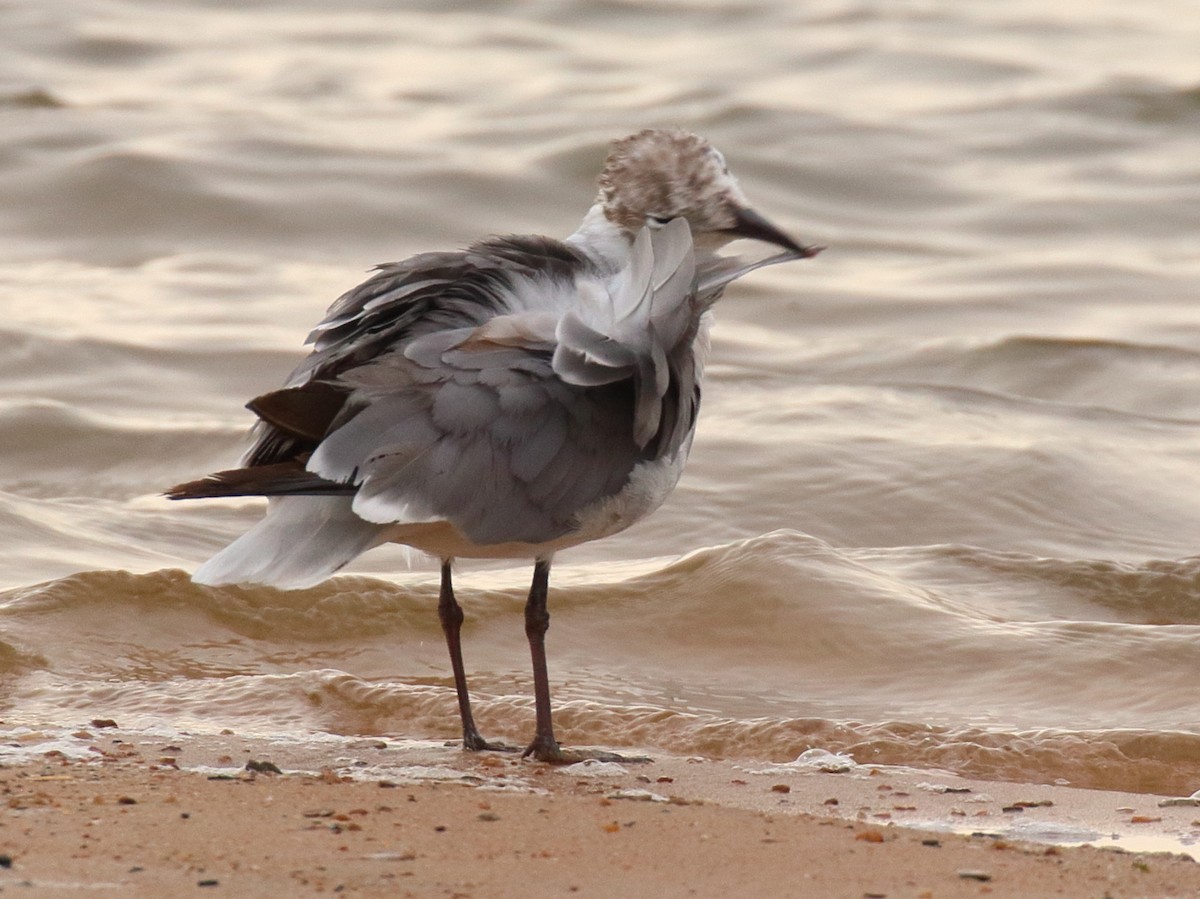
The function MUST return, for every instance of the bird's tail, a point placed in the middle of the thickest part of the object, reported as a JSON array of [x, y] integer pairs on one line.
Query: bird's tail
[[302, 541]]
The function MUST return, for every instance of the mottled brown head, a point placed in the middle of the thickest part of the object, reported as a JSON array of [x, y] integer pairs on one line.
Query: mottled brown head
[[655, 175]]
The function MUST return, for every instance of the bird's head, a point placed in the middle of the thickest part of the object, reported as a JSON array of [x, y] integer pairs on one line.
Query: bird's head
[[654, 176]]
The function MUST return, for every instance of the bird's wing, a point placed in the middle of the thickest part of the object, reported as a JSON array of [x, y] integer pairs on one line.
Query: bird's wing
[[434, 291], [641, 328], [401, 301], [452, 387], [481, 434], [510, 429]]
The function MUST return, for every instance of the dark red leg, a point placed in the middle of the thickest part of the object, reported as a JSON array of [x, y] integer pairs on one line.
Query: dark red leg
[[451, 615], [544, 747]]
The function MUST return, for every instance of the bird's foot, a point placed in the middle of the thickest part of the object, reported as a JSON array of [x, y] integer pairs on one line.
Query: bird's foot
[[550, 752], [545, 749], [603, 755], [473, 742]]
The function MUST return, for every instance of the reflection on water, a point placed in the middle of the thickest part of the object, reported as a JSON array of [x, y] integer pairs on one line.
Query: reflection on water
[[945, 489]]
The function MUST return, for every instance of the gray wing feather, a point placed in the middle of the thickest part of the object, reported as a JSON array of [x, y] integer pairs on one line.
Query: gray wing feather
[[505, 453], [463, 408], [644, 335], [534, 439], [460, 408], [587, 357], [719, 272], [429, 293]]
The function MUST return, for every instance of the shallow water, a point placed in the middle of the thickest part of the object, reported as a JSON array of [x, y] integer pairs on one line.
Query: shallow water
[[943, 503]]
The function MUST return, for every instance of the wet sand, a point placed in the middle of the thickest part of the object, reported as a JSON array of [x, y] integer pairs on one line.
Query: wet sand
[[137, 815]]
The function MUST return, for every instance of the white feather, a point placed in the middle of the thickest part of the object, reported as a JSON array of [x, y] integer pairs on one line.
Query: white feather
[[301, 542]]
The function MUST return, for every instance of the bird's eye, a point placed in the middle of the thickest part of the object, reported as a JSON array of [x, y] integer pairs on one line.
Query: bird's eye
[[657, 221]]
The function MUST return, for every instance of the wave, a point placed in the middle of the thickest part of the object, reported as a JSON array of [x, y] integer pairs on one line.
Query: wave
[[1167, 763], [14, 662], [1002, 665], [342, 608], [52, 448], [1134, 379], [778, 622], [775, 586], [136, 378], [1157, 592], [1139, 101]]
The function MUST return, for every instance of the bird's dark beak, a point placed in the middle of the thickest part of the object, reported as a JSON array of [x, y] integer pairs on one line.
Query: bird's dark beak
[[750, 224]]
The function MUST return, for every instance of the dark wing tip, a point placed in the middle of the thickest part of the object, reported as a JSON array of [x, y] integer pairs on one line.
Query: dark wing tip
[[279, 479], [201, 488]]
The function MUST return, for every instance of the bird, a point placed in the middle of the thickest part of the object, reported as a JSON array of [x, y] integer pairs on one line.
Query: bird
[[508, 400]]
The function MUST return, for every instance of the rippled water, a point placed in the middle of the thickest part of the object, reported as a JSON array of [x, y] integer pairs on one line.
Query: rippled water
[[943, 504]]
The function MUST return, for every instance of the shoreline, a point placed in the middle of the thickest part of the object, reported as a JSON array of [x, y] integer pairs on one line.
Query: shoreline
[[136, 814]]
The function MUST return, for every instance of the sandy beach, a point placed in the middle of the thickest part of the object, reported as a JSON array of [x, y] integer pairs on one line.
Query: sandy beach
[[109, 812]]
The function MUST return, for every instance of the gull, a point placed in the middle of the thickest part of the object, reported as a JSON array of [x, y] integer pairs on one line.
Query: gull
[[507, 401]]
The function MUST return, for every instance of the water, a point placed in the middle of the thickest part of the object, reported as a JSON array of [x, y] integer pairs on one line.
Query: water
[[943, 504]]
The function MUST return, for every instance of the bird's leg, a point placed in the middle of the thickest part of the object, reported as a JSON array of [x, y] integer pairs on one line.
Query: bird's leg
[[450, 613], [544, 747]]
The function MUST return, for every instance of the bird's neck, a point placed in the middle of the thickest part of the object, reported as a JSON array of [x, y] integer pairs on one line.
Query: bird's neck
[[609, 245], [606, 244]]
